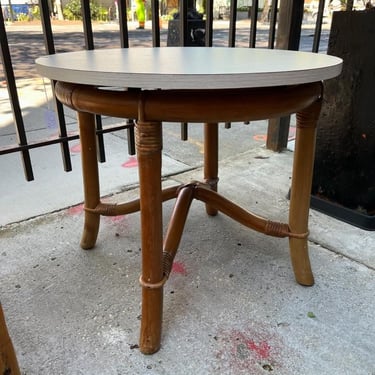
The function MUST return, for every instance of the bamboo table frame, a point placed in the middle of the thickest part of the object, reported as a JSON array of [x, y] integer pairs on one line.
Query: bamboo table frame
[[168, 85], [8, 360]]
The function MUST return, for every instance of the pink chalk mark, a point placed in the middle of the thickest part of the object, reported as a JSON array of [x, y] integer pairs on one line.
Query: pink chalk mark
[[260, 137], [76, 149], [115, 219], [242, 351], [262, 349], [130, 163], [179, 268], [75, 210]]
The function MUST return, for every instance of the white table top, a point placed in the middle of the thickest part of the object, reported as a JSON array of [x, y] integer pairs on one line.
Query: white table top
[[189, 67]]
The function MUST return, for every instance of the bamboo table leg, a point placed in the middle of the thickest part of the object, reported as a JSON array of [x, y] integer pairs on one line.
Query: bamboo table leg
[[8, 360], [211, 156], [300, 191], [149, 144], [90, 178]]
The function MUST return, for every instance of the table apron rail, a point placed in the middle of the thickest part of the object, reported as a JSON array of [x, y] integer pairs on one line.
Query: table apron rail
[[177, 105]]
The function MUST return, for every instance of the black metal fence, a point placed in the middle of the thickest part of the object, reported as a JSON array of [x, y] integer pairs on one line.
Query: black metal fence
[[291, 29]]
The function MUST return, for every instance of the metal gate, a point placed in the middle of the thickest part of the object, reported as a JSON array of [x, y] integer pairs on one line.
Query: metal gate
[[287, 20]]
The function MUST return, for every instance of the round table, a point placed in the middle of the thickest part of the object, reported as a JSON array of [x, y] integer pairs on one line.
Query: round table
[[182, 84]]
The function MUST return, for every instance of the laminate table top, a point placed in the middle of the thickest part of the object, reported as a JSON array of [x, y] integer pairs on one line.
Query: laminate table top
[[189, 67]]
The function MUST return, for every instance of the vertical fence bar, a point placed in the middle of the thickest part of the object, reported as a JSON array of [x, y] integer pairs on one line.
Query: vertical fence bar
[[183, 20], [318, 26], [12, 91], [183, 10], [184, 131], [123, 23], [232, 24], [155, 23], [87, 26], [253, 23], [349, 5], [273, 21], [232, 35], [124, 42], [89, 42], [130, 136], [290, 24], [288, 37], [50, 49], [209, 22], [46, 26]]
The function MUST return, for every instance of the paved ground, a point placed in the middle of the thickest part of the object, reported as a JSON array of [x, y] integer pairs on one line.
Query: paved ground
[[231, 305]]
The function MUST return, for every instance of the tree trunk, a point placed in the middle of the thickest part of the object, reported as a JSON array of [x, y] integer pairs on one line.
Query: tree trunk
[[345, 154]]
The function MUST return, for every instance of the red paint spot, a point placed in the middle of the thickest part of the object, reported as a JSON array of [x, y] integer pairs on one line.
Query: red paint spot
[[130, 163], [115, 219], [179, 268], [252, 349], [260, 137], [75, 210], [262, 350], [76, 149], [119, 222]]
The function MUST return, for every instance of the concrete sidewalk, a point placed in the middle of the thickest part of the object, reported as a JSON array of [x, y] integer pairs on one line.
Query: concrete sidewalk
[[231, 305]]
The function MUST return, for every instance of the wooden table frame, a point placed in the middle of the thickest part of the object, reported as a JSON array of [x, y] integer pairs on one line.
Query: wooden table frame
[[150, 108]]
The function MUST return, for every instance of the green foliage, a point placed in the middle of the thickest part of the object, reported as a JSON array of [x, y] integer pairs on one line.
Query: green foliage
[[72, 11], [98, 13]]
